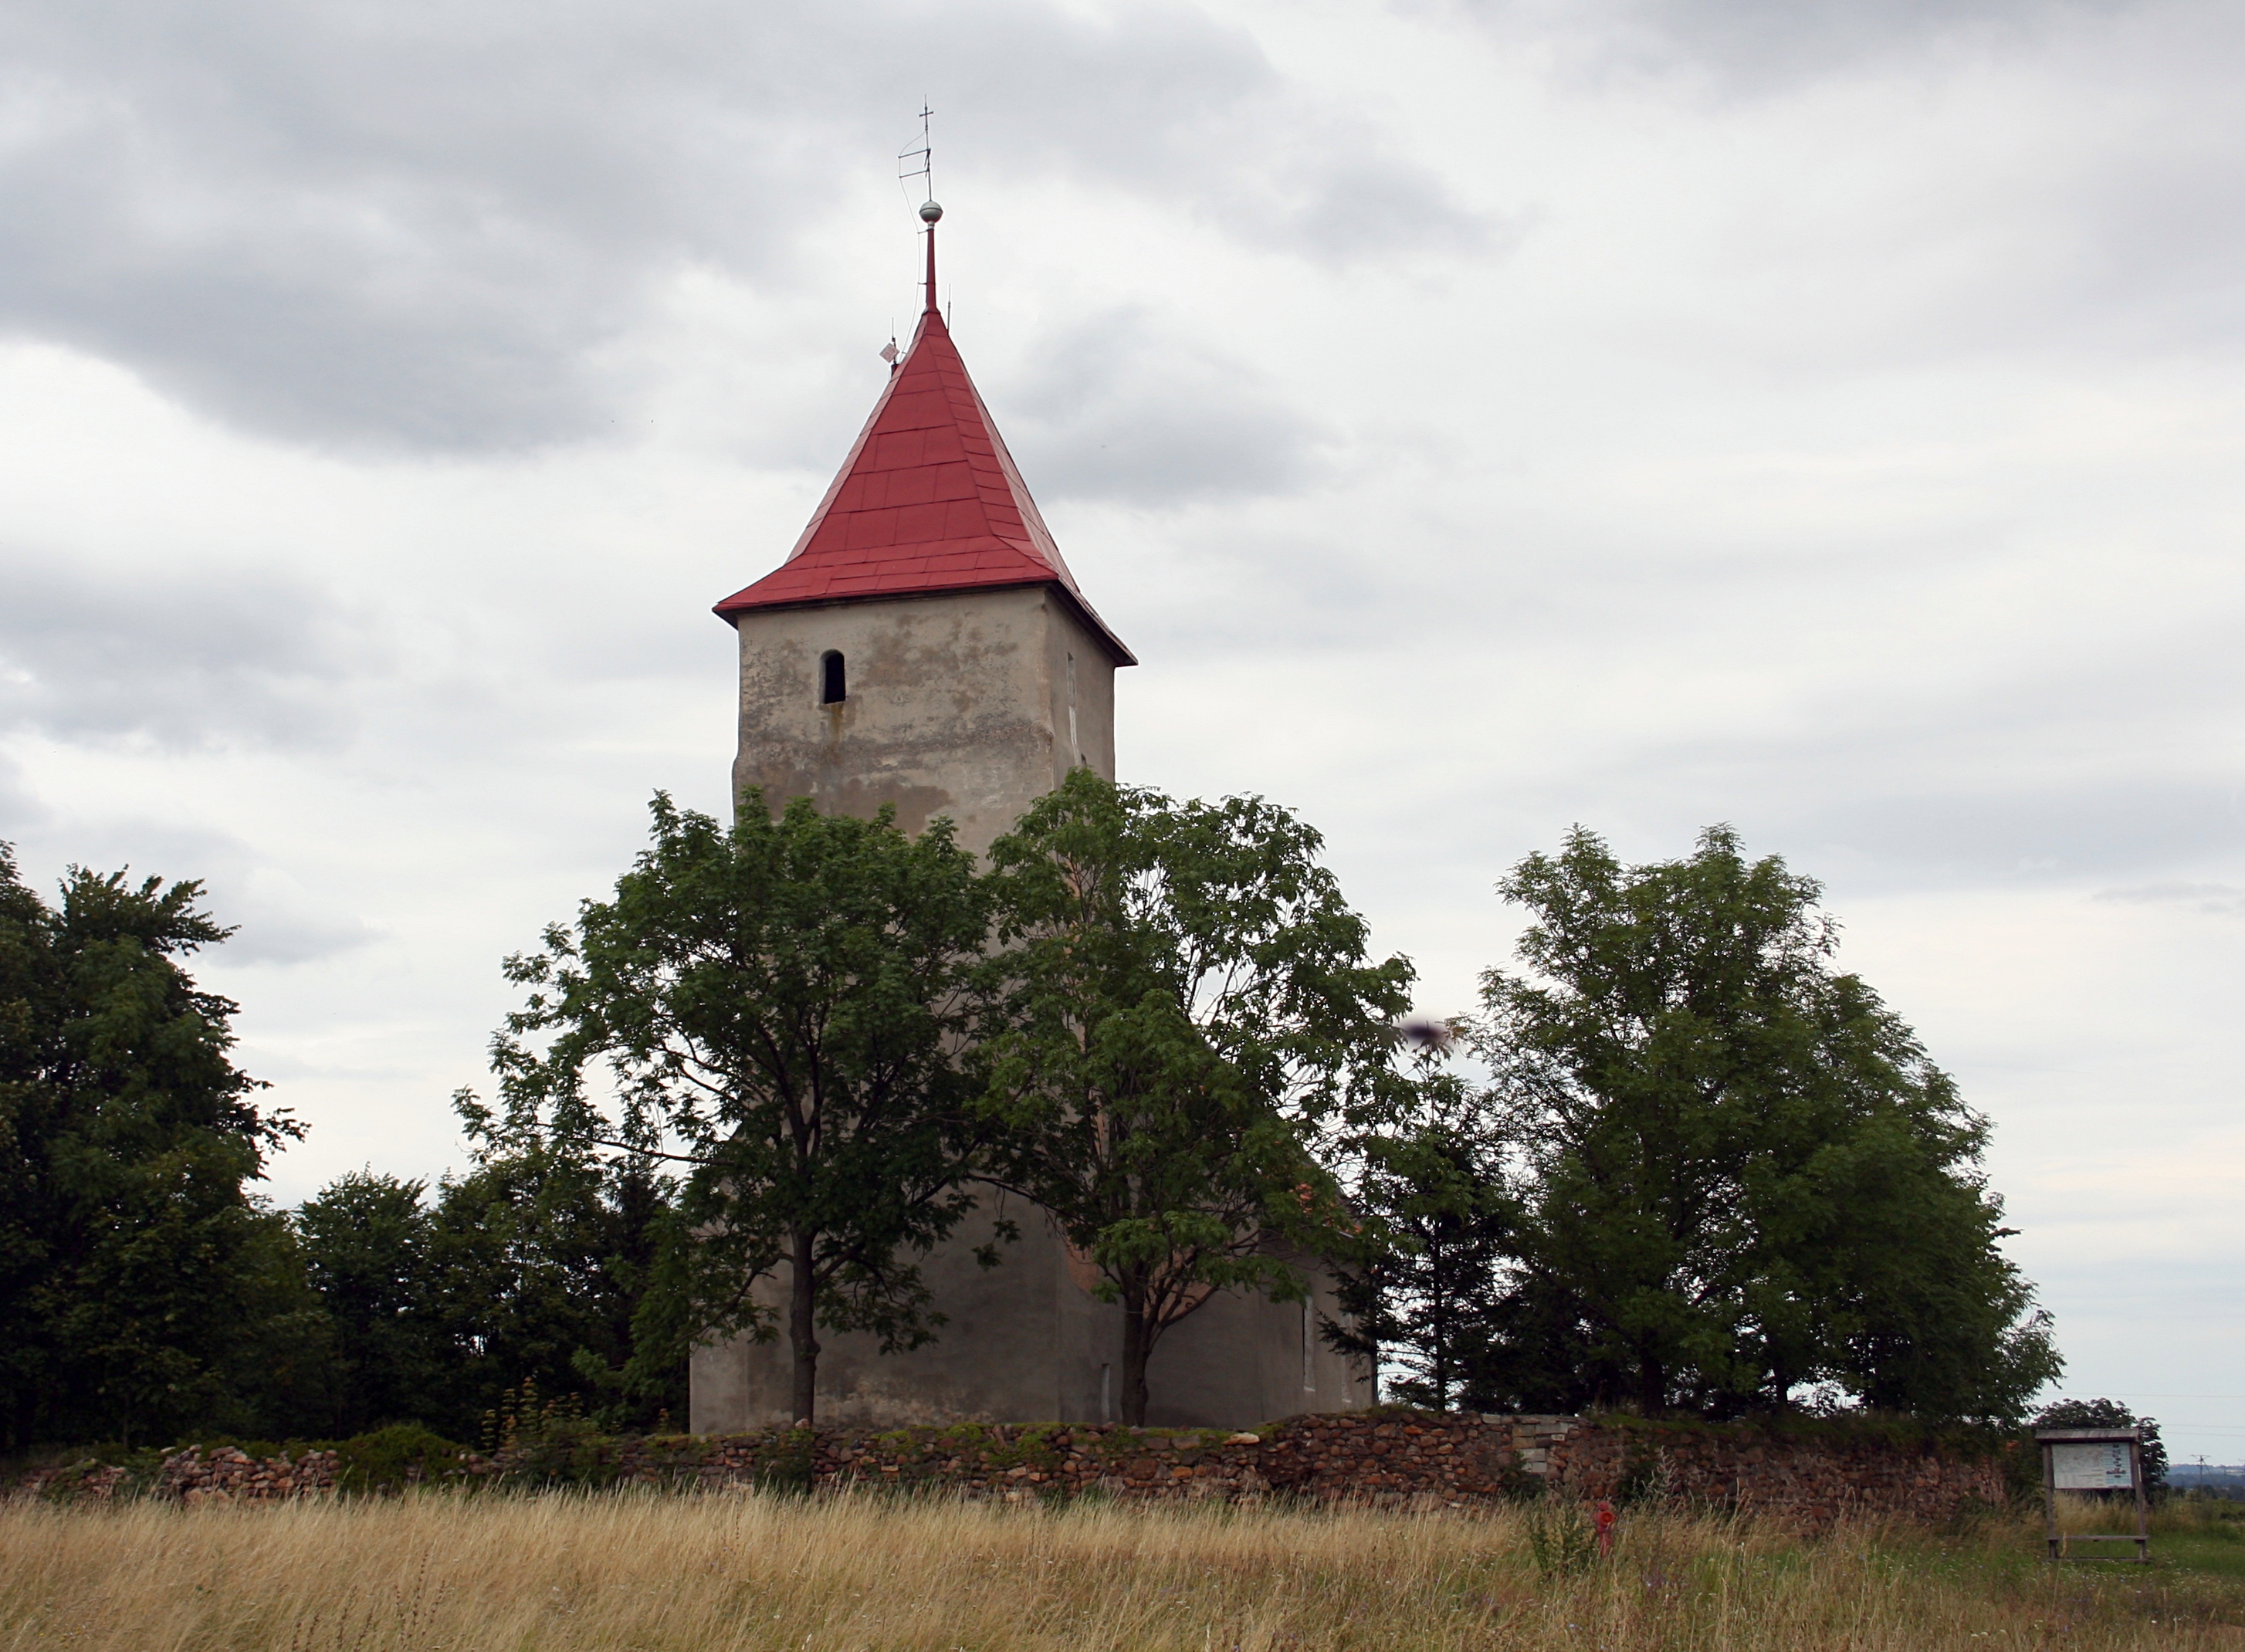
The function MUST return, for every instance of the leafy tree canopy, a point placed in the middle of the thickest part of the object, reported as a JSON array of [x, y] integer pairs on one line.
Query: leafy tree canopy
[[523, 1274], [787, 1001], [367, 1247], [1182, 1008], [1741, 1173], [129, 1247], [552, 1245]]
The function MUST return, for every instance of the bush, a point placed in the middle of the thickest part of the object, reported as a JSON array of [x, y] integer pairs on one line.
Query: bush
[[395, 1459]]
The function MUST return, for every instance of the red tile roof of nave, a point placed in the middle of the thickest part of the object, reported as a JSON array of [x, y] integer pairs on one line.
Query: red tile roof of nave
[[929, 500]]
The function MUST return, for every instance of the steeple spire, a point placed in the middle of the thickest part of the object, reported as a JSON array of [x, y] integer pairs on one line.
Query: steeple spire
[[930, 215], [930, 212]]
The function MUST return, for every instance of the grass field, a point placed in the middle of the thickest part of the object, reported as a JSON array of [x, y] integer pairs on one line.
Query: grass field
[[620, 1572]]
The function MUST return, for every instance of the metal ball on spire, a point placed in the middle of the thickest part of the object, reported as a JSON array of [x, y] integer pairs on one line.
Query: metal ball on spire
[[930, 210]]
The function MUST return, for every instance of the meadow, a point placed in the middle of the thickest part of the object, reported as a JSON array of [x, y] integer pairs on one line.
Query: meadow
[[627, 1572]]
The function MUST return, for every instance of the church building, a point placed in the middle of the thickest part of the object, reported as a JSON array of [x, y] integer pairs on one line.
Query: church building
[[925, 645]]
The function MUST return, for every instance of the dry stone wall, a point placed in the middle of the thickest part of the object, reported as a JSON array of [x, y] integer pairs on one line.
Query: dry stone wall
[[225, 1476], [1812, 1478], [1390, 1459], [228, 1475]]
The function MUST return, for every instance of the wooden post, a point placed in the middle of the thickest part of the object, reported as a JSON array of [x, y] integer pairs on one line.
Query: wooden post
[[2143, 1503]]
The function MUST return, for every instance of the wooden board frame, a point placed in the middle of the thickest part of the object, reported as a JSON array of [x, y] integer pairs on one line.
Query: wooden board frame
[[2049, 1439]]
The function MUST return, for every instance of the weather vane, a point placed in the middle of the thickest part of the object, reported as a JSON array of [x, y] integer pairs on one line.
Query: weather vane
[[929, 211], [925, 156]]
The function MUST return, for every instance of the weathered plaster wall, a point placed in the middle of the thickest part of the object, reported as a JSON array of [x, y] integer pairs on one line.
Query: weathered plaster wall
[[970, 704], [1028, 1342]]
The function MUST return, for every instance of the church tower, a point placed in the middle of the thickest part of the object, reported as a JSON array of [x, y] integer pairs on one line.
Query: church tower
[[925, 645]]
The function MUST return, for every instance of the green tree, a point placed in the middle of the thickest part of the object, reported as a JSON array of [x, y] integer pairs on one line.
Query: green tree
[[543, 1252], [524, 1272], [1746, 1175], [279, 1363], [367, 1242], [1430, 1299], [1183, 1010], [131, 1251], [787, 1001]]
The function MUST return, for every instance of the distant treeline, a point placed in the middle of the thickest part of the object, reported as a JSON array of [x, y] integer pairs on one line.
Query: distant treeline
[[1695, 1169]]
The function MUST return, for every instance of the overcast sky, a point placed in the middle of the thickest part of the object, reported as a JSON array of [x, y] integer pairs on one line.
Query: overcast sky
[[1479, 418]]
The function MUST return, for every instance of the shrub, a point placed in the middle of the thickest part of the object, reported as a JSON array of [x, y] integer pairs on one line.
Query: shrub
[[395, 1459]]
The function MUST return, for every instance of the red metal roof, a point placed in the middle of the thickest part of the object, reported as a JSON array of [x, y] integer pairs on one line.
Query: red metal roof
[[928, 500]]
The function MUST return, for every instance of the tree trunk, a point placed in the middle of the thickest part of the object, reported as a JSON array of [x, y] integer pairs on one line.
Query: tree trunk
[[1137, 1346], [802, 1329], [1441, 1326], [1651, 1387]]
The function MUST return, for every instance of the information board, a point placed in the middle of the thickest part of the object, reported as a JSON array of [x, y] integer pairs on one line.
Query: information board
[[2093, 1466]]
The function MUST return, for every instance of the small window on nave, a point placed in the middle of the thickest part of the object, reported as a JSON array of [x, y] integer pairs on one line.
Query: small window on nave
[[833, 686]]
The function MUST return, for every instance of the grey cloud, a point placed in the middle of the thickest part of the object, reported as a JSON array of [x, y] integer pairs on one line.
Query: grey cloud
[[1116, 410], [2149, 261], [1959, 789], [1965, 788], [415, 225], [276, 919], [2022, 833], [20, 807], [2224, 900], [88, 654], [2128, 249], [1757, 47], [2010, 767], [1356, 205], [2119, 232], [1195, 117], [1879, 827]]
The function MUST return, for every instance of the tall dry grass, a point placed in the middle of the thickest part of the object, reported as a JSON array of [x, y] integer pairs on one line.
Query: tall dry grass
[[697, 1574]]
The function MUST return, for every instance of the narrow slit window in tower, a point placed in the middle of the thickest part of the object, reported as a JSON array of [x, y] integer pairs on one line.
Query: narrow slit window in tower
[[833, 687]]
